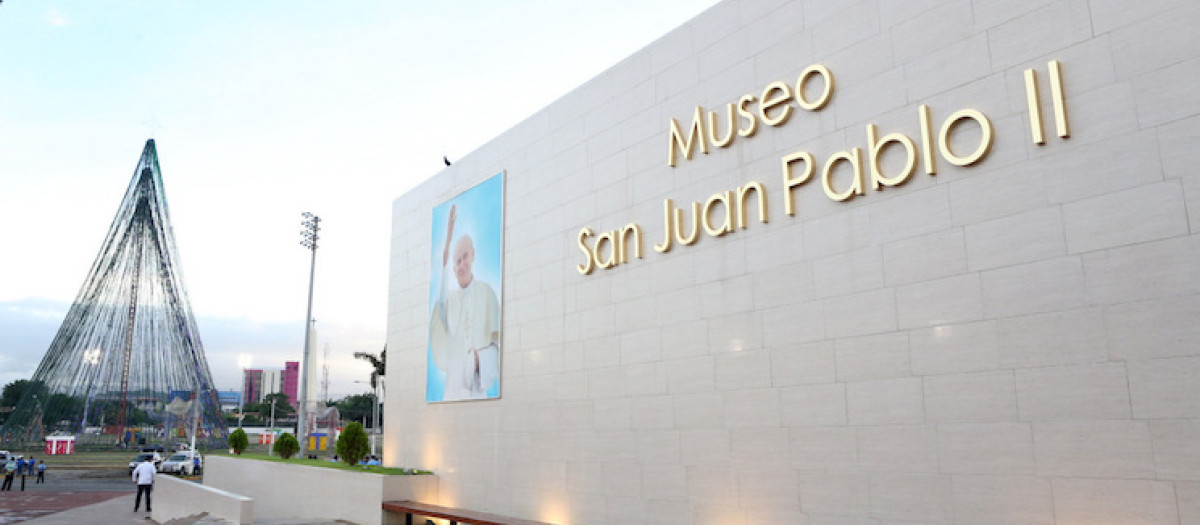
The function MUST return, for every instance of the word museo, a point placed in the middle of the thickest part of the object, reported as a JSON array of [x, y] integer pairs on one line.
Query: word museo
[[725, 212]]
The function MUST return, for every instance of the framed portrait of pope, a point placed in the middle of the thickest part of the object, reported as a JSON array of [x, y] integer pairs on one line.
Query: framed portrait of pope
[[465, 295]]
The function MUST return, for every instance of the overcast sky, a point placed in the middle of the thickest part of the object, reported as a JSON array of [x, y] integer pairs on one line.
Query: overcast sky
[[262, 110]]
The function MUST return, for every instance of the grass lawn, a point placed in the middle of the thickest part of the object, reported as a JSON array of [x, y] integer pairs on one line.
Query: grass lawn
[[325, 463], [83, 460]]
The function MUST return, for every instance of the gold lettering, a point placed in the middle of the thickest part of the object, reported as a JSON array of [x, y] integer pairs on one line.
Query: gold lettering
[[694, 234], [774, 109], [827, 92], [927, 140], [624, 241], [1034, 104], [744, 192], [696, 131], [985, 141], [788, 182], [1056, 94], [775, 94], [668, 227], [727, 226], [854, 157], [586, 268], [751, 121], [721, 142], [875, 147], [611, 260]]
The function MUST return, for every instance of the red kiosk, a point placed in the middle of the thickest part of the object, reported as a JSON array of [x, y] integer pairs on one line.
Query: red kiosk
[[60, 445]]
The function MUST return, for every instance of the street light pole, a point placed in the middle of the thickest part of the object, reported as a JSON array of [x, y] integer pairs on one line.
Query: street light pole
[[242, 400], [308, 239], [271, 431]]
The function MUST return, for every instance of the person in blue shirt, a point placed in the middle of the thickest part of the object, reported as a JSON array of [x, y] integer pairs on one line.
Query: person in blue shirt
[[41, 470], [23, 470]]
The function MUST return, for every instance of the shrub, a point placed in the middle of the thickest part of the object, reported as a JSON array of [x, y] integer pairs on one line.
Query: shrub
[[238, 441], [352, 445], [287, 446]]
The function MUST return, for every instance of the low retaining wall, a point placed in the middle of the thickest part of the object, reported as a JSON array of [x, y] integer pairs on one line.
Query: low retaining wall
[[285, 491], [175, 498]]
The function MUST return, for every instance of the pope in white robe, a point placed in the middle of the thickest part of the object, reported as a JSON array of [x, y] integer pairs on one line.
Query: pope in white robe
[[464, 327]]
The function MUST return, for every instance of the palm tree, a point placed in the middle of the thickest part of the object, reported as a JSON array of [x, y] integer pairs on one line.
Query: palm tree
[[379, 362], [380, 368]]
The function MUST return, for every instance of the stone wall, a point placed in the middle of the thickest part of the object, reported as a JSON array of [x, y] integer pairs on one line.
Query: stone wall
[[283, 491]]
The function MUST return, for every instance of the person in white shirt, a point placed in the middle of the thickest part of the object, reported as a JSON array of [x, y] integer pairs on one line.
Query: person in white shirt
[[464, 327], [143, 476]]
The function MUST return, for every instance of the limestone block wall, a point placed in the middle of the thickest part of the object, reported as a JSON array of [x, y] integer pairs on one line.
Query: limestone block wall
[[180, 499], [279, 492], [1009, 341]]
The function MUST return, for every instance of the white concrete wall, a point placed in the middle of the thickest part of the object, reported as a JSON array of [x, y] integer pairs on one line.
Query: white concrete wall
[[283, 491], [1009, 342], [175, 498]]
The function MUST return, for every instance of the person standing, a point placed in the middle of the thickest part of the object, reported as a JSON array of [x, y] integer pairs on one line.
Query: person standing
[[23, 470], [10, 468], [143, 477], [41, 469]]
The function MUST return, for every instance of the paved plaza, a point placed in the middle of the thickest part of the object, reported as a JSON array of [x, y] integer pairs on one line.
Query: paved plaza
[[84, 497]]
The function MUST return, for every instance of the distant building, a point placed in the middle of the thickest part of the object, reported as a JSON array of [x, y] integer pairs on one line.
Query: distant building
[[291, 379], [259, 382], [228, 399], [252, 391]]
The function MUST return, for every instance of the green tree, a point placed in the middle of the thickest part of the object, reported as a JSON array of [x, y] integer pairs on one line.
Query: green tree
[[378, 363], [355, 407], [352, 445], [61, 412], [287, 446], [238, 441], [12, 393], [282, 407]]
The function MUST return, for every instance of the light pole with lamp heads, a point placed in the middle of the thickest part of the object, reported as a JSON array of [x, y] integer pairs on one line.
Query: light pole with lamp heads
[[308, 239]]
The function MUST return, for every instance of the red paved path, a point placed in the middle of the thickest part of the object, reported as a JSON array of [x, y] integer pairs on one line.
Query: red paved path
[[16, 506]]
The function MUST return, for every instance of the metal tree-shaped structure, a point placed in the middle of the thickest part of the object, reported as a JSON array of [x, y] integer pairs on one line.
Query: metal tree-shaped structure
[[127, 361]]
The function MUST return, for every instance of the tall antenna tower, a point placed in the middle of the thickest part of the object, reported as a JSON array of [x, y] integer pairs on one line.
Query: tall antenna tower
[[325, 374]]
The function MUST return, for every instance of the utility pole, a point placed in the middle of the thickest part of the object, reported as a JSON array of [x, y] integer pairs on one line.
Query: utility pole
[[271, 447], [308, 239]]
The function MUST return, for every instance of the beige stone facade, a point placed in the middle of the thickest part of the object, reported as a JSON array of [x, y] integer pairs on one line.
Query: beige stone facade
[[1015, 340]]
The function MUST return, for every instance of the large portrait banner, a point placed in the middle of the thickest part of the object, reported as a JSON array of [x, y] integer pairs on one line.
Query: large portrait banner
[[465, 294]]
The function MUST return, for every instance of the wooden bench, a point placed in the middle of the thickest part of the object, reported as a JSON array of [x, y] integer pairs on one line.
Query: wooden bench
[[456, 516]]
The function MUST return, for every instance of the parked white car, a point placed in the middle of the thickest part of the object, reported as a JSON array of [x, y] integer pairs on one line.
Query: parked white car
[[181, 463], [154, 456]]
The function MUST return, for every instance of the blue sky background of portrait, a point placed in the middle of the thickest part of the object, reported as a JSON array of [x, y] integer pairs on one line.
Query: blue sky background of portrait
[[262, 110], [480, 214]]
